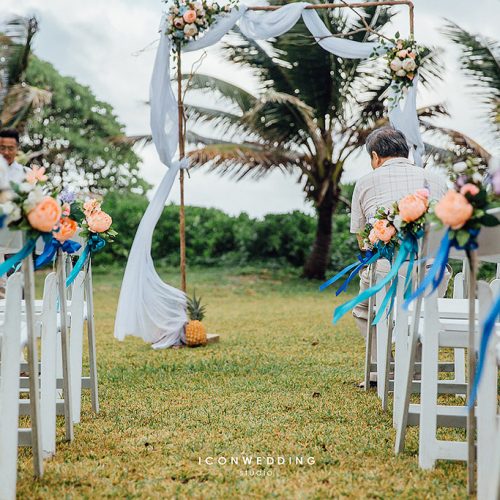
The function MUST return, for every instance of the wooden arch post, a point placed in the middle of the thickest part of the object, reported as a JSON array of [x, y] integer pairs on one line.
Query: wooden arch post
[[180, 105]]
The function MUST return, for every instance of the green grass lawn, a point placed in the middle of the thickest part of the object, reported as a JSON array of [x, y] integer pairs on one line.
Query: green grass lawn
[[282, 382]]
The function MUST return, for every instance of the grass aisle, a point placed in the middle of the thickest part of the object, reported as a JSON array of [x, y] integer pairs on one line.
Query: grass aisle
[[280, 383]]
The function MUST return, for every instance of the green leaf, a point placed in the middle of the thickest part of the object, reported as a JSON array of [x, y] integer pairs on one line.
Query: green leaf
[[489, 220], [462, 237]]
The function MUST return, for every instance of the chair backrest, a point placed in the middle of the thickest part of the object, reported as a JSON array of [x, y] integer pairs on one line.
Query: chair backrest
[[10, 241]]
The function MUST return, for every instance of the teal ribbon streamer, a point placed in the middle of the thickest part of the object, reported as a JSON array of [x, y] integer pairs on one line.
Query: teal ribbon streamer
[[13, 261], [488, 328], [94, 244], [370, 257], [408, 247]]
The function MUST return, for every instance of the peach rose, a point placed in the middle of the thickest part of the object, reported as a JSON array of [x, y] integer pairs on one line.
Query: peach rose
[[99, 222], [423, 193], [372, 238], [90, 206], [45, 216], [383, 230], [412, 207], [469, 188], [67, 229], [454, 210], [189, 16]]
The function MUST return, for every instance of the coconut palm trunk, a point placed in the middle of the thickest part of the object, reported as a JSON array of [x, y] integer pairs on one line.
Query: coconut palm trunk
[[319, 258]]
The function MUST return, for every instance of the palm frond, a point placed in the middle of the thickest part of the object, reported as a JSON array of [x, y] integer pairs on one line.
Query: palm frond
[[19, 101], [240, 160], [131, 140], [243, 99], [480, 61], [461, 144]]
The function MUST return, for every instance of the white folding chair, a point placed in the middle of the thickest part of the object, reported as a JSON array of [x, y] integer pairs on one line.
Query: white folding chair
[[9, 387]]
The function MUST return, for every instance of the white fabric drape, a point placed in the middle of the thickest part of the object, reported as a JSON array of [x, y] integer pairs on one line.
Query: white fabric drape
[[149, 308]]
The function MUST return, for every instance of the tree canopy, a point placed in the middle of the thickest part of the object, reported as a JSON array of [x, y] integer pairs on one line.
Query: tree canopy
[[77, 136]]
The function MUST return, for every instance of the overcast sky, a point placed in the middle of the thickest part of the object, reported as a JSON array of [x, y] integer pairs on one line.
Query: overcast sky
[[110, 45]]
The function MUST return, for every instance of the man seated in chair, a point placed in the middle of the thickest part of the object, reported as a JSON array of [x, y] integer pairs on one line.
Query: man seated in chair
[[393, 177]]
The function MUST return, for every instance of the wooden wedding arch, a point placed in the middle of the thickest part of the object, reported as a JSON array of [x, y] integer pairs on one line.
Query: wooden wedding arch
[[180, 103]]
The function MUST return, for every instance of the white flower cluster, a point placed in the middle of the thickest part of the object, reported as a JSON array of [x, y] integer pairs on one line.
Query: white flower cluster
[[404, 63]]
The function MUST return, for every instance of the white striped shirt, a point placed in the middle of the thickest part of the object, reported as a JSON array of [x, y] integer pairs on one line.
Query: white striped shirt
[[388, 183]]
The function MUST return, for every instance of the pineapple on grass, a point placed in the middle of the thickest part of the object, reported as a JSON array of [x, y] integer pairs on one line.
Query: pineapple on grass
[[195, 330]]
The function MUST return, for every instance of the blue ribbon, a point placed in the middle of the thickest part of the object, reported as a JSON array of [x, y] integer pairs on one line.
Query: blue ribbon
[[408, 247], [436, 273], [94, 244], [488, 328], [51, 248], [370, 257], [11, 262]]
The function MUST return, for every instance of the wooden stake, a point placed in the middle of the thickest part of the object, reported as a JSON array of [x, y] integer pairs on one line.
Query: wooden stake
[[182, 152], [34, 383]]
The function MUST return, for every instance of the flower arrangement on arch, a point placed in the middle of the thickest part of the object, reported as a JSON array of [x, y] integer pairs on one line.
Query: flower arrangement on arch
[[186, 21], [404, 57]]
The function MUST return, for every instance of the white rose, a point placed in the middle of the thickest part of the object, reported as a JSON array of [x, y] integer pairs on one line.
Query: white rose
[[34, 198], [397, 222], [460, 167], [15, 214], [26, 187], [401, 72], [7, 208], [409, 64], [396, 64], [477, 177], [190, 30]]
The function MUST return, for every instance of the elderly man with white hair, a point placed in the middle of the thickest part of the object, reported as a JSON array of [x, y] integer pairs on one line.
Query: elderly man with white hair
[[393, 177]]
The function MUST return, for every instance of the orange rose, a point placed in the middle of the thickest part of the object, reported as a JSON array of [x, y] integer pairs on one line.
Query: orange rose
[[45, 216], [454, 210], [383, 230], [67, 229], [99, 222], [189, 16], [412, 207]]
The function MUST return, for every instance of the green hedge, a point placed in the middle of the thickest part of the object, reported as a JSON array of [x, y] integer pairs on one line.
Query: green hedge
[[216, 238]]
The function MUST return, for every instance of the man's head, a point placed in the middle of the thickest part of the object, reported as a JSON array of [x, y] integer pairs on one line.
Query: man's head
[[9, 144], [385, 143]]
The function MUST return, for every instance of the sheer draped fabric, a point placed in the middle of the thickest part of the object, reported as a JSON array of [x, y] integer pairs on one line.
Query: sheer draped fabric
[[148, 307]]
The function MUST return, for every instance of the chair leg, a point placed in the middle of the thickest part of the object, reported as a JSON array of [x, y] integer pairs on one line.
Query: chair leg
[[369, 330], [48, 374], [459, 364], [388, 355], [428, 389], [403, 409], [94, 391]]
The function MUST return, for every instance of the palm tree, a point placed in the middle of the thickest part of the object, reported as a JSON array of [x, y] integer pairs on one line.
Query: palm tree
[[17, 98], [312, 113], [480, 61]]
